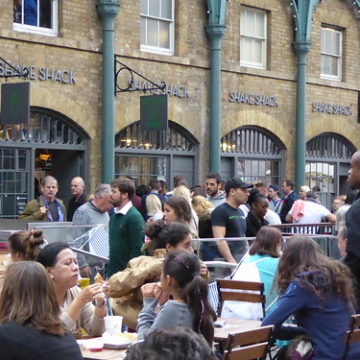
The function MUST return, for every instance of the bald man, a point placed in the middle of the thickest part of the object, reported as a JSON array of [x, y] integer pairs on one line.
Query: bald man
[[79, 198], [352, 259]]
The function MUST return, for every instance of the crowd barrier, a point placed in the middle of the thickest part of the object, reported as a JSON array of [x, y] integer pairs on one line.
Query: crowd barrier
[[79, 237]]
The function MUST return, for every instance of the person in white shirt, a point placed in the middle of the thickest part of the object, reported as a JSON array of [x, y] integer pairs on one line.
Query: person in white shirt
[[308, 211]]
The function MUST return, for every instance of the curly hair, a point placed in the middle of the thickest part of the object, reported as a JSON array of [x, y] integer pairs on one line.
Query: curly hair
[[304, 261], [177, 343]]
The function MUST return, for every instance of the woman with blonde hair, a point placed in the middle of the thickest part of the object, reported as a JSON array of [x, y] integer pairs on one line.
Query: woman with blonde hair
[[184, 192], [302, 191], [154, 207], [30, 327], [204, 208]]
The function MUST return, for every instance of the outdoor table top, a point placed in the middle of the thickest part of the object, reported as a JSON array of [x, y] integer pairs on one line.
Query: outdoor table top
[[232, 326]]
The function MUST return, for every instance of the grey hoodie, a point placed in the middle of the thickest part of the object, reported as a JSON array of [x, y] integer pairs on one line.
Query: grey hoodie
[[217, 200]]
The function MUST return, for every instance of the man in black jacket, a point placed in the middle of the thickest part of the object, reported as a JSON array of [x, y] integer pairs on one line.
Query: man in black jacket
[[352, 259], [290, 196]]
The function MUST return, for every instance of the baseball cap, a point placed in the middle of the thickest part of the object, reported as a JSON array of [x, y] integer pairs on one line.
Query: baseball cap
[[235, 183]]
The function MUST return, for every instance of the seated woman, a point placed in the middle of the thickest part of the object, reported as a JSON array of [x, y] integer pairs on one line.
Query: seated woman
[[23, 245], [76, 308], [188, 307], [264, 254], [30, 327], [318, 291], [125, 285]]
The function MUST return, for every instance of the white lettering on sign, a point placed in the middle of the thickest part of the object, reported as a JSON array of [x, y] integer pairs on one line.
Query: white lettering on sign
[[252, 99], [332, 109], [180, 91], [42, 74]]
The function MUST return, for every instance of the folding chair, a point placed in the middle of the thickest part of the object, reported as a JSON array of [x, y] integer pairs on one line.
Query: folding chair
[[236, 290], [252, 344], [352, 335]]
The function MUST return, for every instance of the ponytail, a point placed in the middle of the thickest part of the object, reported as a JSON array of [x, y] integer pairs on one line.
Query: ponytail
[[196, 296], [184, 267]]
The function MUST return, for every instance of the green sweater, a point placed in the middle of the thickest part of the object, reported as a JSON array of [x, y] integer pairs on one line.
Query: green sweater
[[126, 237]]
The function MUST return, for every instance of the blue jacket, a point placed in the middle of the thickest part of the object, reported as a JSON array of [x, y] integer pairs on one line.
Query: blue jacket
[[325, 321]]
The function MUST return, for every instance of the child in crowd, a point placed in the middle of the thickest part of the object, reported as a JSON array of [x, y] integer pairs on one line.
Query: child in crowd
[[181, 281]]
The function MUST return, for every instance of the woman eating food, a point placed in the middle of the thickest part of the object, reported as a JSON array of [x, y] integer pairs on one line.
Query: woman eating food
[[77, 310]]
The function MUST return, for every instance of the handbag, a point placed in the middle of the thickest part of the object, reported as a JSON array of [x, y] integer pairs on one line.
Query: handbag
[[243, 309], [299, 349]]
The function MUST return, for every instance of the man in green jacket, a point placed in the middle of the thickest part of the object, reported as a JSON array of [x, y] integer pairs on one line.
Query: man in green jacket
[[126, 226], [47, 207]]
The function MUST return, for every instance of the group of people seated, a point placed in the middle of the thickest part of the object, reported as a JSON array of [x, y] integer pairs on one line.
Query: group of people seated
[[166, 288], [42, 308]]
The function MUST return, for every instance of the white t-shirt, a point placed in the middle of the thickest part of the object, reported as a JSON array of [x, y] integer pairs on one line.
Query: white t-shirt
[[313, 213], [272, 217]]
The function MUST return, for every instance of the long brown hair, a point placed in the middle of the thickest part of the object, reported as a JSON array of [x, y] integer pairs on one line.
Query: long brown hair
[[28, 298], [267, 241], [184, 267], [26, 244], [304, 261], [181, 207]]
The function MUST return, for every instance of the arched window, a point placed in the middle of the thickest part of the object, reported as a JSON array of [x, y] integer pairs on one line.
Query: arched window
[[44, 127], [155, 154], [253, 154], [49, 144], [328, 157]]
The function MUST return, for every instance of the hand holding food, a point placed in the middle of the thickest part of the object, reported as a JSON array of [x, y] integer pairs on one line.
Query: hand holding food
[[150, 289], [90, 293], [105, 287]]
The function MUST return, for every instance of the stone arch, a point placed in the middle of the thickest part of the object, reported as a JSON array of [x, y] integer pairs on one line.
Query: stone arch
[[257, 118]]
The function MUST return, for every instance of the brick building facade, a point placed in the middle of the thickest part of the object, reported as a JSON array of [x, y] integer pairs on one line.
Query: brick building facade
[[258, 98]]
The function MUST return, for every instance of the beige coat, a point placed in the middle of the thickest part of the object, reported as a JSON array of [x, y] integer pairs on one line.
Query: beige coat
[[125, 285]]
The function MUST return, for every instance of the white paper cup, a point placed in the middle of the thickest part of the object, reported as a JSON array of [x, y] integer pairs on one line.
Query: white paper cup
[[113, 324]]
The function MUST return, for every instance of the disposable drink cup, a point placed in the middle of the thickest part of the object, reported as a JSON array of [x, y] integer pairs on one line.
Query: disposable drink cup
[[83, 282], [113, 324]]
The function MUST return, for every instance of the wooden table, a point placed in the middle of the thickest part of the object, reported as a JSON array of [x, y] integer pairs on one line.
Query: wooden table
[[234, 326], [105, 354]]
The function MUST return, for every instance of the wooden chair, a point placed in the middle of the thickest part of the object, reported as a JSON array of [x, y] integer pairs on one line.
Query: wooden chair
[[252, 344], [352, 335], [239, 291]]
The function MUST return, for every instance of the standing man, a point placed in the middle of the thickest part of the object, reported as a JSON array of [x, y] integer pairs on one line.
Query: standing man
[[352, 259], [275, 202], [311, 213], [290, 196], [77, 187], [47, 207], [126, 226], [213, 184], [93, 212], [228, 220]]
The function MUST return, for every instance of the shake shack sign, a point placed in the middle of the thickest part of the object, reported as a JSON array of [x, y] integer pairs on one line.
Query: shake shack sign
[[63, 76], [331, 109], [253, 99]]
